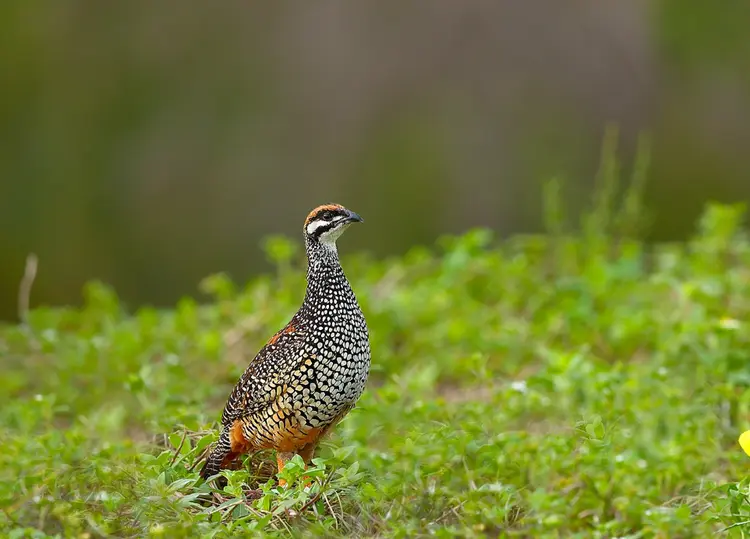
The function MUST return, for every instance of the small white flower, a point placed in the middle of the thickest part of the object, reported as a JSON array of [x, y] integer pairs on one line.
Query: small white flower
[[519, 385]]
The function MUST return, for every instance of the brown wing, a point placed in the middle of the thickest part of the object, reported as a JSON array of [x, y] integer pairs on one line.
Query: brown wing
[[265, 377]]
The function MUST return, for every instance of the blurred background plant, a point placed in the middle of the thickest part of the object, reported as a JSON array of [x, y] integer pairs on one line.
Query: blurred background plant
[[150, 144], [554, 266]]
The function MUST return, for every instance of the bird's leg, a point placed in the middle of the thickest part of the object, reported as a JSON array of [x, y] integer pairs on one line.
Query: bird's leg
[[282, 457], [307, 453]]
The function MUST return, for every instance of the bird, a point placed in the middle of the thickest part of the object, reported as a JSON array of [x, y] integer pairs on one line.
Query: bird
[[309, 374]]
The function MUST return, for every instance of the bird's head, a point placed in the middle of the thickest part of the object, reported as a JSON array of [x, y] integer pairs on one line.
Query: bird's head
[[326, 223]]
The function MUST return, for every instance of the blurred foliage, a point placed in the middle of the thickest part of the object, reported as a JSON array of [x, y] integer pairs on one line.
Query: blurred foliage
[[579, 383], [695, 34], [150, 144]]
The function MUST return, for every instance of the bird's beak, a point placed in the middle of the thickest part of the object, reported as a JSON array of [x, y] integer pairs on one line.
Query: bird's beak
[[354, 217]]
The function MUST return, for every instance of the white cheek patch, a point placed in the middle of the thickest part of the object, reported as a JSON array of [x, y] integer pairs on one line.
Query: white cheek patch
[[315, 225], [329, 238]]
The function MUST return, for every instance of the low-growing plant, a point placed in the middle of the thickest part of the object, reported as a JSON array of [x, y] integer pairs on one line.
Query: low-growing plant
[[559, 385]]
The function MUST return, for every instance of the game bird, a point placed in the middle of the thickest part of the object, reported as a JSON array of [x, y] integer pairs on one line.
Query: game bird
[[311, 373]]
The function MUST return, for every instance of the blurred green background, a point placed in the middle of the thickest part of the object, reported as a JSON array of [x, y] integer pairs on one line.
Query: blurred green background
[[148, 144]]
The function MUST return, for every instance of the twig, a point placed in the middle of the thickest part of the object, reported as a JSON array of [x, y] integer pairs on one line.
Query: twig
[[735, 525], [252, 510], [179, 448], [316, 497], [200, 458], [309, 503], [284, 523], [338, 498], [228, 511], [24, 289], [452, 509], [330, 508]]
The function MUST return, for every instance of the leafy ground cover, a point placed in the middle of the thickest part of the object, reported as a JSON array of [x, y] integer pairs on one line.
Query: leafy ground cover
[[559, 385]]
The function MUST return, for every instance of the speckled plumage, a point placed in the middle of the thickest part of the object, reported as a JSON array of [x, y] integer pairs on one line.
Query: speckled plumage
[[309, 374]]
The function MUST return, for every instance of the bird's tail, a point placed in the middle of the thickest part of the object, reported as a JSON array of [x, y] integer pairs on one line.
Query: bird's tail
[[221, 453]]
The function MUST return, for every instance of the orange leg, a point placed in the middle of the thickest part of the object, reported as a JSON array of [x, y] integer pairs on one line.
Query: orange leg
[[282, 457], [307, 452]]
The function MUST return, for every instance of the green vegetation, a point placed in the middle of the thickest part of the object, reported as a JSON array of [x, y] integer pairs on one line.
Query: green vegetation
[[564, 385]]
